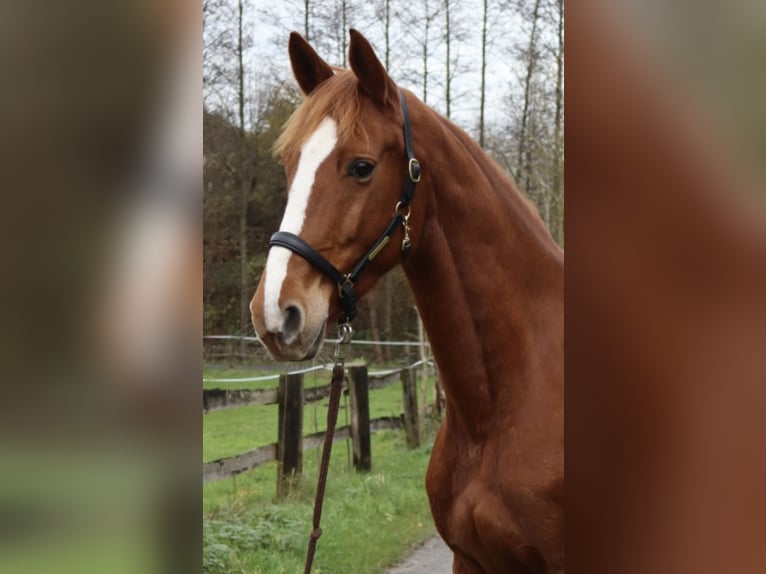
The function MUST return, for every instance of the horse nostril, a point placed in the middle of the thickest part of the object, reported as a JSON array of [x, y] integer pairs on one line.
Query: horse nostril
[[292, 322]]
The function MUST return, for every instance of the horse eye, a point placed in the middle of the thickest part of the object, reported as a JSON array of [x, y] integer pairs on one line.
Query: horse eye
[[361, 169]]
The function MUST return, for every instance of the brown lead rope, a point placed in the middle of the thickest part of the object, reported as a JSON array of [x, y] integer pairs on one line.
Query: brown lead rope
[[336, 385]]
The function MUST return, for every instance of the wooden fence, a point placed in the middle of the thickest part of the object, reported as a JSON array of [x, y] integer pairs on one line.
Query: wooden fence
[[290, 396]]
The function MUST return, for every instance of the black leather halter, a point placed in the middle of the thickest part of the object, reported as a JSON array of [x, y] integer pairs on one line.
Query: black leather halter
[[346, 281]]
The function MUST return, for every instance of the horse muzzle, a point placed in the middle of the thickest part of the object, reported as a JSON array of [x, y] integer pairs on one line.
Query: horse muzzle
[[294, 333]]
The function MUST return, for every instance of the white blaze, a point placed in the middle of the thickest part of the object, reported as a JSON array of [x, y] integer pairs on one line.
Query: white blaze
[[313, 152]]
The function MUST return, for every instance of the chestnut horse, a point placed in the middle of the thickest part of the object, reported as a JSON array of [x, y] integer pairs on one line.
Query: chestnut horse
[[487, 278]]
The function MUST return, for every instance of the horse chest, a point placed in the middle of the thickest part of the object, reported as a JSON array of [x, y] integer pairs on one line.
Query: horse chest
[[483, 512]]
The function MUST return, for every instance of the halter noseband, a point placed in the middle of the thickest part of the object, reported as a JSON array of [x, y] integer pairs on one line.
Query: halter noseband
[[346, 282]]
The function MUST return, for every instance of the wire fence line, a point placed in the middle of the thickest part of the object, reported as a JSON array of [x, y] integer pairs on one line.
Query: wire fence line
[[224, 348], [264, 377], [327, 367], [251, 339]]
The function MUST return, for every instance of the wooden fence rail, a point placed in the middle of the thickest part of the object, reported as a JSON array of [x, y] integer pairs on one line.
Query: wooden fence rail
[[231, 466], [214, 399], [290, 397]]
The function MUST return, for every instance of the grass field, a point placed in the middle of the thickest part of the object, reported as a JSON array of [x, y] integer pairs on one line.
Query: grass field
[[371, 520]]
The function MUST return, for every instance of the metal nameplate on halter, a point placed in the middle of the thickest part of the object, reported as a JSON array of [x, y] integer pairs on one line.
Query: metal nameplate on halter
[[378, 248]]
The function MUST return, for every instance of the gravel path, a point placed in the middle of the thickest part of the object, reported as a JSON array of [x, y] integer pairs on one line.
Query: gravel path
[[434, 557]]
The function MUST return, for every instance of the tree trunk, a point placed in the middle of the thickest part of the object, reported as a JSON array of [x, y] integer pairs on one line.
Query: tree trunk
[[558, 124], [440, 400], [244, 297], [448, 38], [241, 70], [387, 32], [344, 26], [306, 20], [483, 73], [531, 61], [425, 52], [375, 325], [424, 369], [388, 298]]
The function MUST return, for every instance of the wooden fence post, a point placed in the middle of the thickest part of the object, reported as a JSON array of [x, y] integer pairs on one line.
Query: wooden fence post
[[360, 417], [410, 400], [290, 432]]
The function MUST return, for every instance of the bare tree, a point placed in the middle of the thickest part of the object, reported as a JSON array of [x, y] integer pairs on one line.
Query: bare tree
[[333, 18], [523, 167], [448, 61], [455, 34], [218, 53], [387, 28], [530, 144], [424, 45], [483, 90], [346, 13], [241, 66], [246, 183], [558, 125]]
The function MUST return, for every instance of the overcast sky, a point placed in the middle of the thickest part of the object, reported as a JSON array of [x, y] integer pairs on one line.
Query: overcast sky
[[269, 23]]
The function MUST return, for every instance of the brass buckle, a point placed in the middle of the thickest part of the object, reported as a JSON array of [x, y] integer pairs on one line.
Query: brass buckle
[[413, 168]]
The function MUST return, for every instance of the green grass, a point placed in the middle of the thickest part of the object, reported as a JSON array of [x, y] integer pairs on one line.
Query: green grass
[[370, 520], [228, 432]]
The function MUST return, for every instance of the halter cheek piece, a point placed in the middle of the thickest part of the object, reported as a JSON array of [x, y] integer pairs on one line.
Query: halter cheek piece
[[402, 210]]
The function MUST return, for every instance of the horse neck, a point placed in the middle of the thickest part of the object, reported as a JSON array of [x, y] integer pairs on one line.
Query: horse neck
[[486, 276]]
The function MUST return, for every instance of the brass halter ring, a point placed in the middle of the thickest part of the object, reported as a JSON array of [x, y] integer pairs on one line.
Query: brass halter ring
[[397, 211]]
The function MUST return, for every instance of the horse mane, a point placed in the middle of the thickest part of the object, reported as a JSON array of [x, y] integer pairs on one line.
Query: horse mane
[[339, 98], [499, 177], [500, 181]]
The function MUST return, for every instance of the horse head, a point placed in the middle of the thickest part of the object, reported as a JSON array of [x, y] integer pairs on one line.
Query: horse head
[[345, 160]]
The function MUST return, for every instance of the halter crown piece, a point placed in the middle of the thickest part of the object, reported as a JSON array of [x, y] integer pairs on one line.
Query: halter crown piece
[[345, 282]]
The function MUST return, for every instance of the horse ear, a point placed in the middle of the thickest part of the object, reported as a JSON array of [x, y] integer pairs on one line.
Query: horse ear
[[308, 68], [372, 77]]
